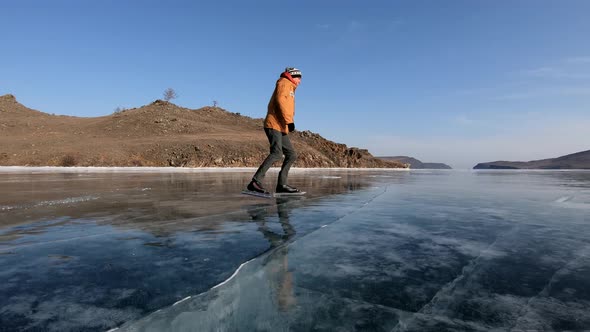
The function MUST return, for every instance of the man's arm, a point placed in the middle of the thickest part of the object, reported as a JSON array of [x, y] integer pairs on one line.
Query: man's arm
[[285, 103]]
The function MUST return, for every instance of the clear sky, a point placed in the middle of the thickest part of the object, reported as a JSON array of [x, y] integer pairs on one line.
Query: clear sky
[[458, 82]]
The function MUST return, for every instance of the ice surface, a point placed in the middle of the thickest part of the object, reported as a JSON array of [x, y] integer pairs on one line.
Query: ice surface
[[370, 250]]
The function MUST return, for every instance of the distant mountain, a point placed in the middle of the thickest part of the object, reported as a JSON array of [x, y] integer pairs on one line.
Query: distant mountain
[[579, 160], [415, 163], [158, 134]]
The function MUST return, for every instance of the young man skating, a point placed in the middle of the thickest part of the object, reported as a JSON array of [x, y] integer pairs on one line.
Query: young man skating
[[277, 126]]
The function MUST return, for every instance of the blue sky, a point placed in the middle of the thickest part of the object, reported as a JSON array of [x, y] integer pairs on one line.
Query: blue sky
[[458, 82]]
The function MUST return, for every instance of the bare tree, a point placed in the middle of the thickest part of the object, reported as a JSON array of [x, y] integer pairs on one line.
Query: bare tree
[[169, 94]]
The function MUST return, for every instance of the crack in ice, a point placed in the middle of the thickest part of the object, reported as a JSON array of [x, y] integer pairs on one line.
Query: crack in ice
[[546, 289], [449, 287]]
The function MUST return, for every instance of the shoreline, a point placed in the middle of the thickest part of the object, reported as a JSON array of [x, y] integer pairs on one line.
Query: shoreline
[[147, 169], [101, 169]]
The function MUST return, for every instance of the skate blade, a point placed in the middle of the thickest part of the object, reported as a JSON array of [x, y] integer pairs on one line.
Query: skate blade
[[301, 193], [257, 194]]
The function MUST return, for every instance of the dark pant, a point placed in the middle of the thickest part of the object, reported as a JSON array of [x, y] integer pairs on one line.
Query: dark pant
[[279, 145]]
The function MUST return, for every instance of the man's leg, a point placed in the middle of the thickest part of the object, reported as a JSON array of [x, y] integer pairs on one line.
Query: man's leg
[[276, 152], [290, 157]]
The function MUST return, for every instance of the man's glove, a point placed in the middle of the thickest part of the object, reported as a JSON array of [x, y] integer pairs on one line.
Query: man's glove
[[291, 127]]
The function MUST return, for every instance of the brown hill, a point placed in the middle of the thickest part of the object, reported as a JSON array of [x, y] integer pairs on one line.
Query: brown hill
[[415, 163], [578, 160], [158, 134]]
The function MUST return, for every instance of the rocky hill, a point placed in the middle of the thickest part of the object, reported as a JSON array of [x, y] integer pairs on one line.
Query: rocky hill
[[158, 134], [415, 163], [580, 160]]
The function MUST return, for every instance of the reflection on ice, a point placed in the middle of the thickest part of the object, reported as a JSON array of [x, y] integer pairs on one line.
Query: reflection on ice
[[365, 250]]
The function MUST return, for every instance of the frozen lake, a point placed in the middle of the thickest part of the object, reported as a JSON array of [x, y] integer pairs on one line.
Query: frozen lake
[[364, 250]]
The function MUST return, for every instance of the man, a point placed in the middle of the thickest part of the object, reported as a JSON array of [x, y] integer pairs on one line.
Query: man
[[277, 126]]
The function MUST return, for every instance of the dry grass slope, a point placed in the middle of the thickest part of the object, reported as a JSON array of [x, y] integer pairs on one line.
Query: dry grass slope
[[158, 134]]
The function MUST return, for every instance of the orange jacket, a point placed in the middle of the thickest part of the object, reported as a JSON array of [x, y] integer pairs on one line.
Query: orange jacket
[[281, 107]]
